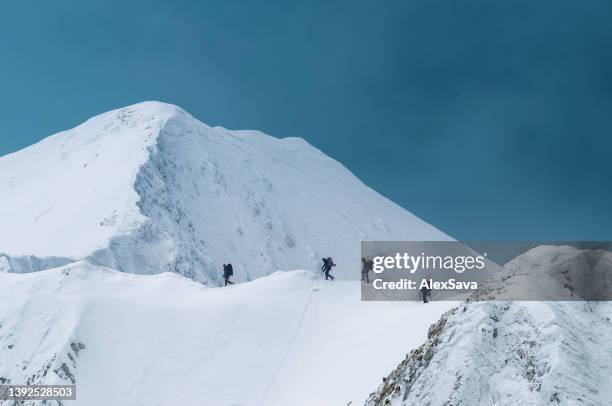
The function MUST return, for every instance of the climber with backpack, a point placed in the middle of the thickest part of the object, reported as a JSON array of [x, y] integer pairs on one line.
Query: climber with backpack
[[228, 271], [367, 266], [327, 266], [324, 267], [425, 293]]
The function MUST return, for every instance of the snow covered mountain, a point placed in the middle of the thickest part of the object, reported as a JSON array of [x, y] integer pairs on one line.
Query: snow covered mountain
[[516, 353], [148, 188], [286, 339]]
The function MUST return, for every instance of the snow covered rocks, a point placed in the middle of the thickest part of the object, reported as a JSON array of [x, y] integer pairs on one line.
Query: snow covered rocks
[[148, 188], [510, 352]]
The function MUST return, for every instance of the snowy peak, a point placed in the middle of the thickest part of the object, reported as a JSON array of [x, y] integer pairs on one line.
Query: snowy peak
[[148, 188], [551, 272], [508, 353], [512, 353], [74, 190]]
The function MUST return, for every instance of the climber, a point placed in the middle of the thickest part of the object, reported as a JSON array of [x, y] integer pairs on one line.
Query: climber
[[228, 271], [367, 266], [324, 267], [425, 293], [327, 266]]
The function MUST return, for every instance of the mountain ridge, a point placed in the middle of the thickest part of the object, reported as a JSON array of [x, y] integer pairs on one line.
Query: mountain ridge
[[490, 350], [164, 339], [148, 188]]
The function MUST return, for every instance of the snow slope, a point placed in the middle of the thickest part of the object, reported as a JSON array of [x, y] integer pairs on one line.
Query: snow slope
[[148, 188], [286, 339], [514, 353]]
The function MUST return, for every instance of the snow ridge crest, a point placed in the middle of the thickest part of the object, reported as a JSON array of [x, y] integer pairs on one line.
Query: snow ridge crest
[[148, 189]]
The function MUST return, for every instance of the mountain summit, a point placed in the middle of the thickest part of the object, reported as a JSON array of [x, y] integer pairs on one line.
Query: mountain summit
[[148, 188]]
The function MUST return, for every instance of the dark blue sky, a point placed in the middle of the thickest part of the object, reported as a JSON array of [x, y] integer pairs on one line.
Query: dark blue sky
[[491, 120]]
